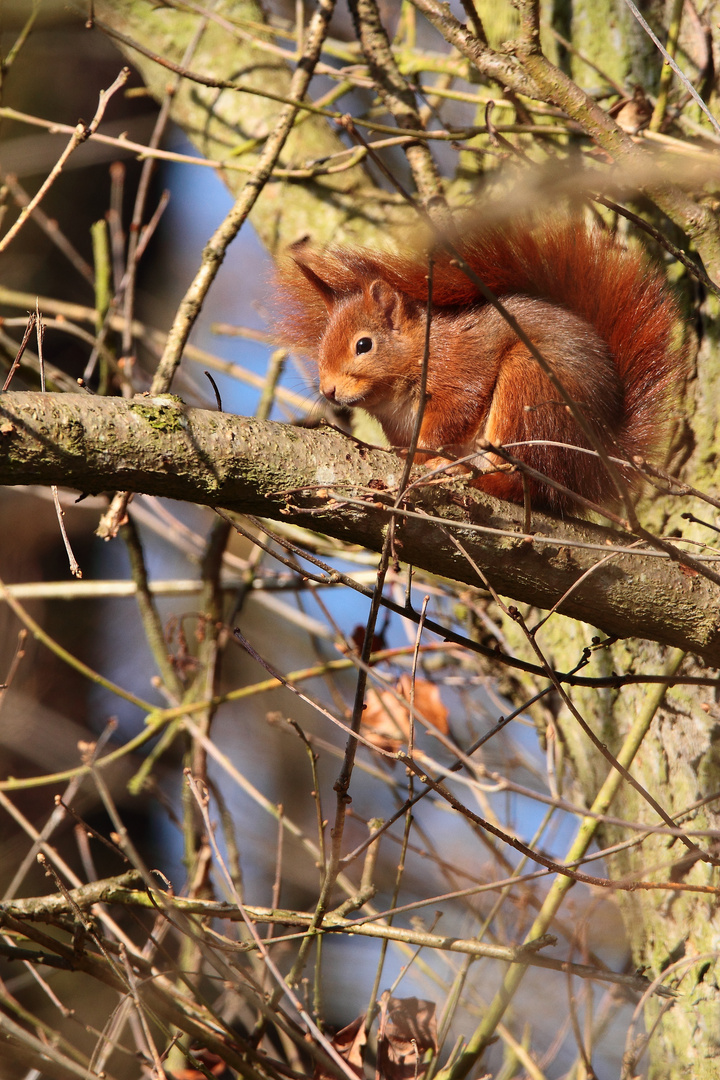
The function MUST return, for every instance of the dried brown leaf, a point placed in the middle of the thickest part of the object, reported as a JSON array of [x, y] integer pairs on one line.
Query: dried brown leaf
[[408, 1028], [386, 721], [349, 1043]]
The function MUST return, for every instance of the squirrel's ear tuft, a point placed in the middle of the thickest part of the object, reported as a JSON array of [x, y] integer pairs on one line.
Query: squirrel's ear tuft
[[393, 304], [308, 263]]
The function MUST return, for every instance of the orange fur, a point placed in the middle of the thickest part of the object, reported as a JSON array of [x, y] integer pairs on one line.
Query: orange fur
[[602, 317]]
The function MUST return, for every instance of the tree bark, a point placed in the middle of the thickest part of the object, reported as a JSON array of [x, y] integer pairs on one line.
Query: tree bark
[[343, 207], [327, 482]]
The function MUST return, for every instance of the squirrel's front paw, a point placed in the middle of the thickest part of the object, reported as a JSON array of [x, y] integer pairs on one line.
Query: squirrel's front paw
[[438, 467]]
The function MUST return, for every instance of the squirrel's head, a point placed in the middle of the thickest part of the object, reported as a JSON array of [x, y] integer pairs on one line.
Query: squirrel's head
[[347, 307], [367, 352], [365, 346]]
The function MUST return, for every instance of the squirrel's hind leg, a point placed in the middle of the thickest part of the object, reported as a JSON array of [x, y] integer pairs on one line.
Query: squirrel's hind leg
[[528, 418]]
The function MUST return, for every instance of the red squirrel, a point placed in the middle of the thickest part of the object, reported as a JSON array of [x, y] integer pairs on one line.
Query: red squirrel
[[602, 317]]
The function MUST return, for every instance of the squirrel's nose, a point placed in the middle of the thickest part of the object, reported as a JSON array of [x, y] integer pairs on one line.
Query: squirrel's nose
[[328, 391]]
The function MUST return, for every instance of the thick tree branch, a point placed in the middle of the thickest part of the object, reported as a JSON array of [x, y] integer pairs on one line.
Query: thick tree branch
[[324, 481]]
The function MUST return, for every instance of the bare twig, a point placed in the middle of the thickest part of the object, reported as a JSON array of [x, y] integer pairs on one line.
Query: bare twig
[[80, 135]]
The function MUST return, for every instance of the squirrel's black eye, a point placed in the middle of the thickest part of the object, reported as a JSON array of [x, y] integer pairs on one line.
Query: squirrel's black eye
[[363, 345]]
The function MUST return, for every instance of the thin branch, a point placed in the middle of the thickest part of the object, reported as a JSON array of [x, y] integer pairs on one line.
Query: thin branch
[[81, 133]]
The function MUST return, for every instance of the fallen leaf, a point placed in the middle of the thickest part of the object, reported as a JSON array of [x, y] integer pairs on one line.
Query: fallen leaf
[[348, 1042], [386, 721], [358, 639], [408, 1029]]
